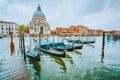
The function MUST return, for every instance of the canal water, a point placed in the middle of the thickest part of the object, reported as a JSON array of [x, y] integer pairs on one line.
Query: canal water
[[84, 64]]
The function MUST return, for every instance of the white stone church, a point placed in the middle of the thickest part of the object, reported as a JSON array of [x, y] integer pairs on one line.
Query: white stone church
[[39, 22]]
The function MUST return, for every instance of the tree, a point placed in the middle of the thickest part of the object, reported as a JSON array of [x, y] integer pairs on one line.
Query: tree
[[26, 29], [21, 28]]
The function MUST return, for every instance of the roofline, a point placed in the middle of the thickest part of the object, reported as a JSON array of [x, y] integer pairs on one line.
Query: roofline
[[8, 22]]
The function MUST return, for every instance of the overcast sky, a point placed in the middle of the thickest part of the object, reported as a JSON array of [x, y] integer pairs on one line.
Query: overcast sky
[[96, 14]]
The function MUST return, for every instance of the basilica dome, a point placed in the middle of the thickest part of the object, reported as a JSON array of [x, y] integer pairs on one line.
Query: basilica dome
[[38, 13]]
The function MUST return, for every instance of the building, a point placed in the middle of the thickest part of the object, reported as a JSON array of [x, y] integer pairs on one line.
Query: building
[[7, 27], [39, 23], [72, 30], [90, 32], [98, 32], [117, 32], [78, 30], [114, 32]]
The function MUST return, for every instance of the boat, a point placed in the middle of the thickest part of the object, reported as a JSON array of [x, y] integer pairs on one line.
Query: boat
[[88, 42], [81, 42], [78, 46], [1, 36], [34, 54], [75, 41], [61, 46], [47, 49]]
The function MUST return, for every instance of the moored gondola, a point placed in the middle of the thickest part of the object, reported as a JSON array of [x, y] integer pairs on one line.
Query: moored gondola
[[75, 41], [34, 54], [46, 48], [88, 42], [61, 46], [1, 36], [78, 46], [81, 42]]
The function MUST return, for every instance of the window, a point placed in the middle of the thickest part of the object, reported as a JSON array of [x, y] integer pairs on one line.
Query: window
[[2, 32], [2, 28], [34, 21], [6, 28]]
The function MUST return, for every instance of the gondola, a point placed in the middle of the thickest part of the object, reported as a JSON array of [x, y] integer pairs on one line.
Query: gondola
[[88, 42], [75, 41], [78, 46], [1, 36], [79, 41], [46, 48], [61, 46], [34, 54]]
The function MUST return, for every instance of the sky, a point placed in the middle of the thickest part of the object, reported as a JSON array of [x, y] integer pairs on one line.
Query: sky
[[95, 14]]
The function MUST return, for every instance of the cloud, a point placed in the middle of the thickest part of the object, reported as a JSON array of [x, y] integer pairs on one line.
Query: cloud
[[107, 19], [98, 14], [17, 11]]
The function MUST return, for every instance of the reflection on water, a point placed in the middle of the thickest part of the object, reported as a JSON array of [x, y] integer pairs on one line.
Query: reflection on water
[[102, 57], [69, 58], [36, 67], [78, 52], [60, 62], [91, 45]]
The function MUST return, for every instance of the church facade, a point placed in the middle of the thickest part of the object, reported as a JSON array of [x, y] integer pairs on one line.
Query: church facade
[[39, 24]]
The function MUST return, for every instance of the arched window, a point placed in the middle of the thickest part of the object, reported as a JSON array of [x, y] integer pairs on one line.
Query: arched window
[[41, 30], [34, 21]]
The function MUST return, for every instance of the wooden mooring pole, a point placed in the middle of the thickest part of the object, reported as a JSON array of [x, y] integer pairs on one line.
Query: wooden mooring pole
[[103, 43], [21, 47], [39, 39], [23, 43], [39, 44], [12, 48], [73, 43], [53, 41]]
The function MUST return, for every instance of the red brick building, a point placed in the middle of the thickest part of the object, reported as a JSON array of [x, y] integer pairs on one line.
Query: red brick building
[[72, 30]]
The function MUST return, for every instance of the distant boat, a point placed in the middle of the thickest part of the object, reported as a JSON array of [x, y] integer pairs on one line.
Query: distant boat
[[78, 46], [75, 41], [79, 41], [46, 48], [108, 37], [1, 36], [88, 42]]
